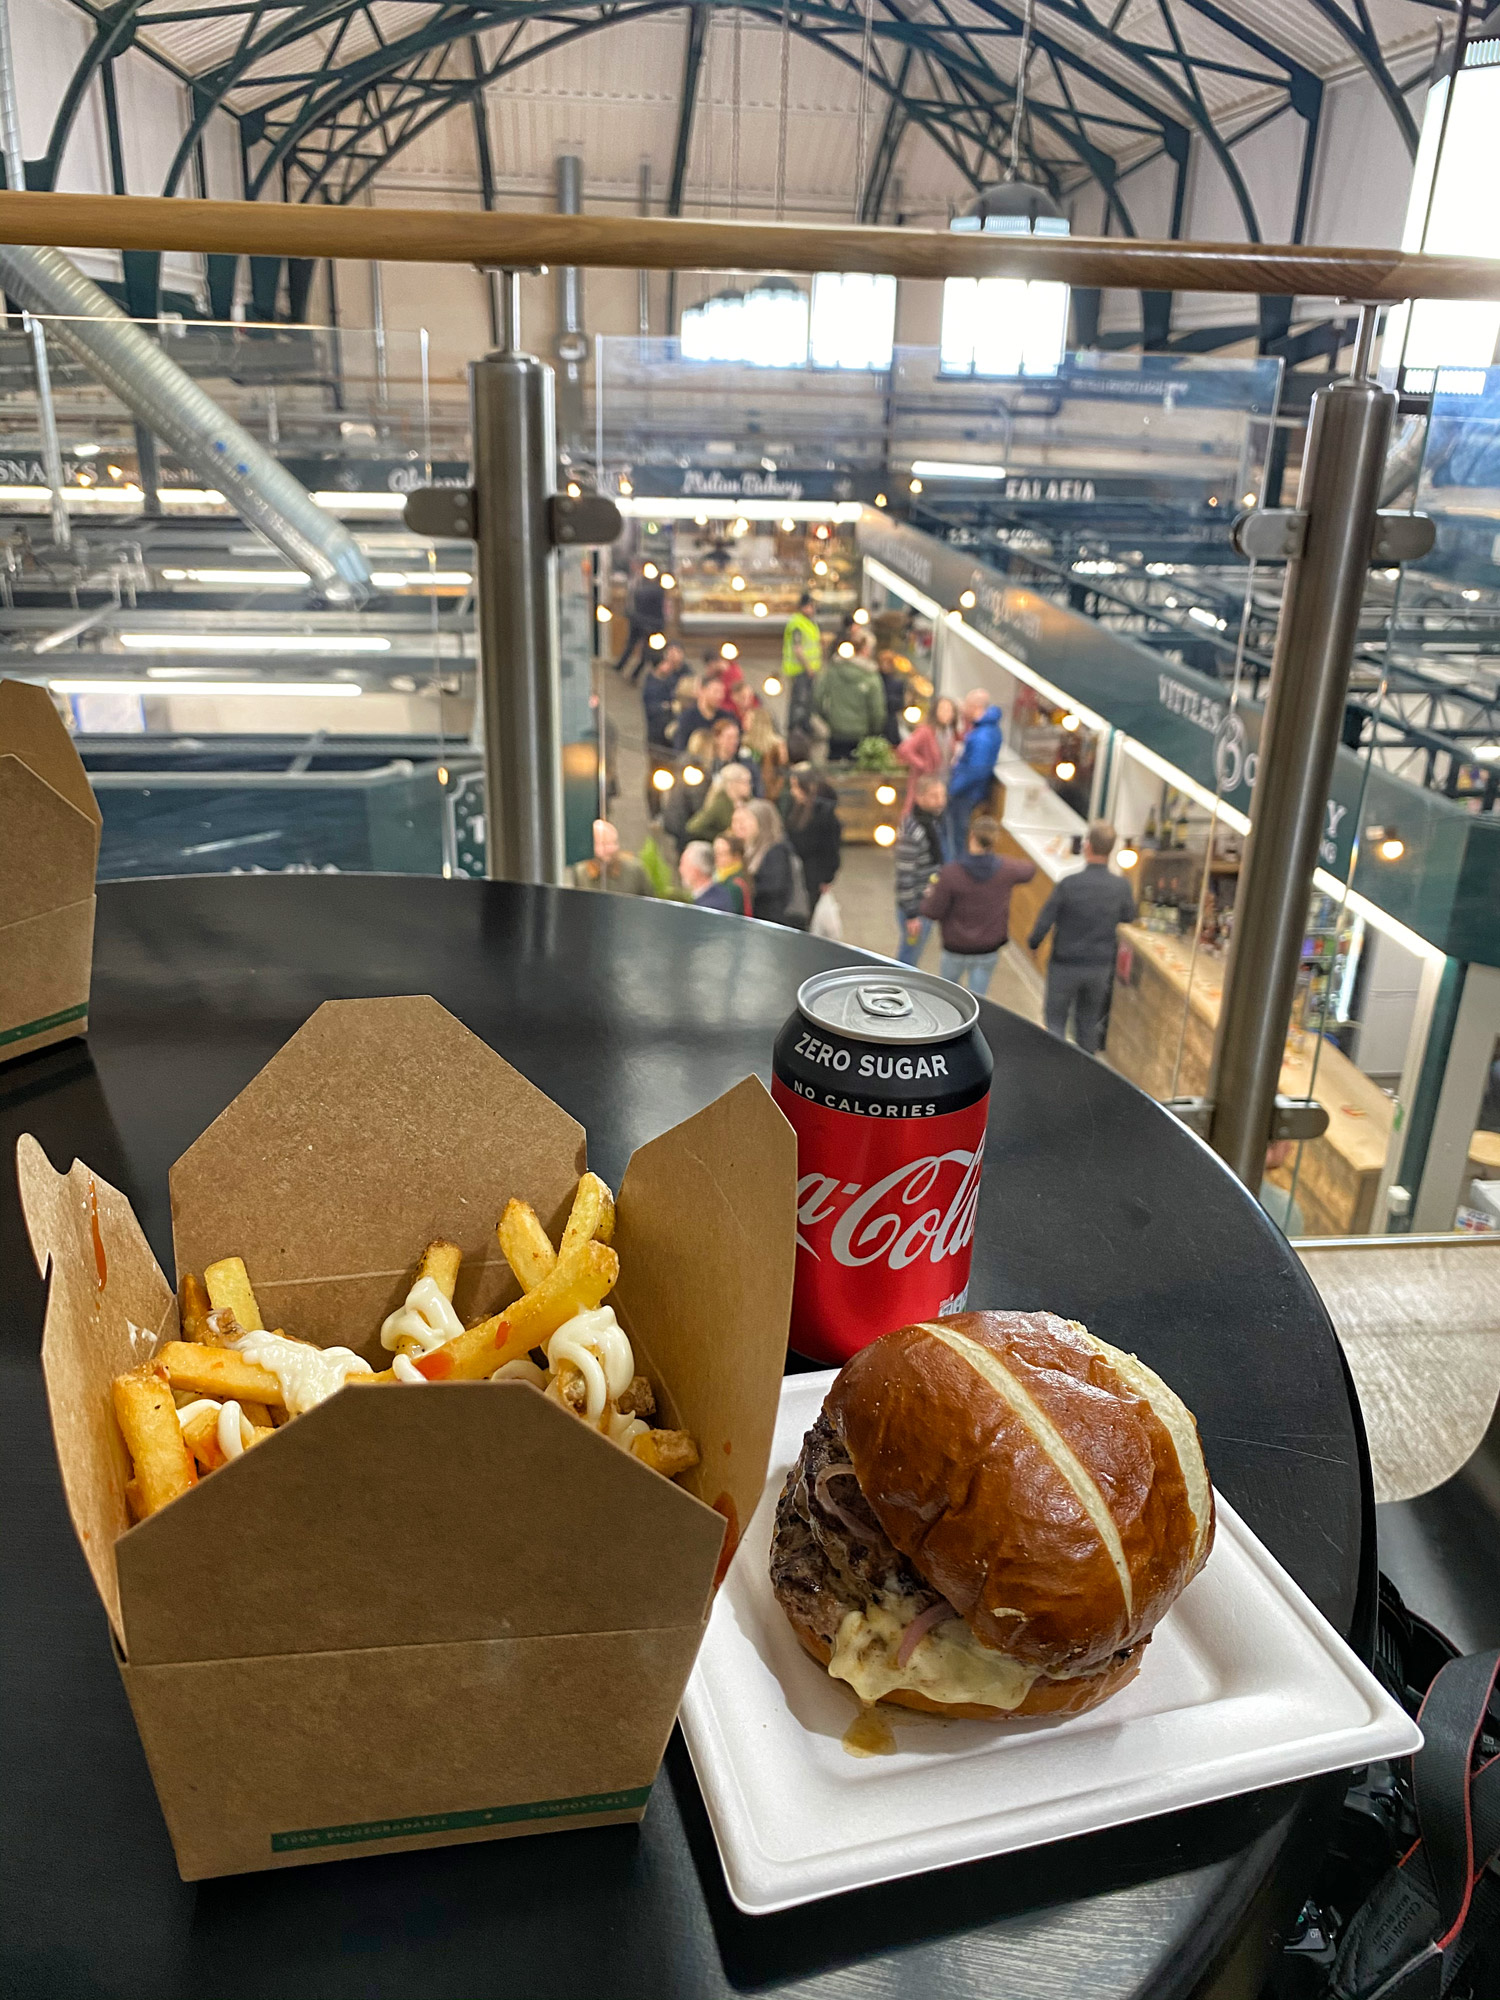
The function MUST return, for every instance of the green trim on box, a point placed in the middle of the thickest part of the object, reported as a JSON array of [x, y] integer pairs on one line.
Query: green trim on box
[[459, 1822], [29, 1028]]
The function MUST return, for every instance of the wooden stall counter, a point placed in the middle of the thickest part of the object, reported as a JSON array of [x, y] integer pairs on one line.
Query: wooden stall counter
[[1340, 1173]]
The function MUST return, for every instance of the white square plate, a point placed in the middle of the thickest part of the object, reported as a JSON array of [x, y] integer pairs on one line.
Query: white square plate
[[1245, 1684]]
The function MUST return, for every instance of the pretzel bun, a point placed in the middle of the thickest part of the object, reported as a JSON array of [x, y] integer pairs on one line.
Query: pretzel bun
[[1047, 1697], [1050, 1487]]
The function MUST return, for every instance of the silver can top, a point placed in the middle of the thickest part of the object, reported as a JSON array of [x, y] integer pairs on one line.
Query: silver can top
[[896, 1006]]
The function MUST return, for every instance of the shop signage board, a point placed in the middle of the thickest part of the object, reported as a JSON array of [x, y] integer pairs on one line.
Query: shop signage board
[[1446, 886], [725, 484]]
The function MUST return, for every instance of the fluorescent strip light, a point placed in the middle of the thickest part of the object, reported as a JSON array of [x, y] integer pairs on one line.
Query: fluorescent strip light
[[253, 642], [721, 507], [76, 496], [190, 496], [420, 579], [250, 577], [299, 690], [361, 503], [954, 468]]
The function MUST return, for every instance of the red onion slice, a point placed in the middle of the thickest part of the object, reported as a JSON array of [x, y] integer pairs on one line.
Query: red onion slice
[[920, 1626], [826, 1499]]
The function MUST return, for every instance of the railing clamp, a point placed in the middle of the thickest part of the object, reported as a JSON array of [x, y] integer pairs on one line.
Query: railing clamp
[[1277, 534], [1292, 1117], [451, 514]]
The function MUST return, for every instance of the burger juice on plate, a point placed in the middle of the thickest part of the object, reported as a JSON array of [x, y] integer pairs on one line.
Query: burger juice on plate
[[885, 1078]]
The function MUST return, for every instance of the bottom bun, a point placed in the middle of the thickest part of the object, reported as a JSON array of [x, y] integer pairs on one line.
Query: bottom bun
[[1069, 1697]]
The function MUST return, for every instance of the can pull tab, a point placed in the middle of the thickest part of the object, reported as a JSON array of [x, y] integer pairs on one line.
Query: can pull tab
[[886, 1003]]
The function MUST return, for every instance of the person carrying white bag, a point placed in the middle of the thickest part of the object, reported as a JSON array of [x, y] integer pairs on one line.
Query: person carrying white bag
[[812, 828]]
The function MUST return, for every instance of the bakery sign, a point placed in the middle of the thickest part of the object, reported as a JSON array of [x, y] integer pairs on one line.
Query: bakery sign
[[733, 483]]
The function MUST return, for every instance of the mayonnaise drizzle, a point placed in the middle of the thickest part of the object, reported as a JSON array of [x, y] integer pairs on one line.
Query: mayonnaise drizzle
[[406, 1370], [599, 1349], [427, 1318], [308, 1375], [235, 1430], [189, 1410]]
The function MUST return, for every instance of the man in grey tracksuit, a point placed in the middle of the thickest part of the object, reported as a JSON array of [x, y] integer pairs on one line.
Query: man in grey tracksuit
[[1085, 909]]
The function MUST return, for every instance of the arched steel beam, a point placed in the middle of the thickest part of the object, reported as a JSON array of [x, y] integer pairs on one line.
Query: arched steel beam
[[113, 34], [1362, 40]]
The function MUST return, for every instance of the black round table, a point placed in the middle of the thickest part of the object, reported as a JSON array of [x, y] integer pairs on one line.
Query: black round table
[[631, 1015]]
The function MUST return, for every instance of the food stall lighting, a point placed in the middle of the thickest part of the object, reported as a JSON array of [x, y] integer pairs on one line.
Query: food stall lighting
[[954, 468], [1066, 770], [663, 781], [788, 525], [604, 614], [760, 610], [657, 641], [741, 526], [301, 690], [86, 450], [1386, 841], [625, 486], [668, 581], [821, 533], [881, 501], [1392, 849], [700, 520], [914, 486], [772, 685], [968, 600], [885, 795], [913, 715], [254, 642], [861, 617], [885, 836], [736, 583], [691, 775], [114, 471], [820, 568], [729, 650], [650, 570], [1070, 722], [442, 774], [653, 528], [1213, 499], [1127, 857], [574, 489], [1469, 596], [1248, 499], [846, 650]]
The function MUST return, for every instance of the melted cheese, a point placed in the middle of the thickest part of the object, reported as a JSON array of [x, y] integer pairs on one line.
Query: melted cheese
[[947, 1664], [308, 1375], [426, 1321]]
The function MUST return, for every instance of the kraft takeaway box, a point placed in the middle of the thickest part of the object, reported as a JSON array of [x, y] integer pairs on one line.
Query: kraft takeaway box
[[416, 1616], [49, 850]]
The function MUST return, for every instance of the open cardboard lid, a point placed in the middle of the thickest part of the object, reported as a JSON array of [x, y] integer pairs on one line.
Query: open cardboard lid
[[32, 729], [108, 1308], [380, 1125], [463, 1510]]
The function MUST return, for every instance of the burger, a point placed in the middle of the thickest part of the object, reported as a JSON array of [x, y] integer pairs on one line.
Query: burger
[[990, 1517]]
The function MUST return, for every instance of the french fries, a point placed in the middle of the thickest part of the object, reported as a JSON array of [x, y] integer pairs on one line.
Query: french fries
[[228, 1285], [527, 1246], [179, 1411], [193, 1307], [592, 1219], [218, 1371], [147, 1418], [573, 1287], [440, 1262]]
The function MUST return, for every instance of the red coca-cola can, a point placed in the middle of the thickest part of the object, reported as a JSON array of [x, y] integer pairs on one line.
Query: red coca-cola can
[[886, 1079]]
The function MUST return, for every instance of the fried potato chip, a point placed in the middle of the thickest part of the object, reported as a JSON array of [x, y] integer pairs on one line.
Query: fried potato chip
[[527, 1246], [592, 1219], [193, 1307], [573, 1287], [228, 1285], [147, 1416], [218, 1371], [440, 1262], [666, 1452]]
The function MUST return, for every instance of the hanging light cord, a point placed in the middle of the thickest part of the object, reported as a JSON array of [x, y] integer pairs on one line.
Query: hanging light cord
[[1023, 63], [865, 41]]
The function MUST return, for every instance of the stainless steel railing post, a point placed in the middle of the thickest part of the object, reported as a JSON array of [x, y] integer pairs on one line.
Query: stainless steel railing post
[[515, 477], [1330, 544]]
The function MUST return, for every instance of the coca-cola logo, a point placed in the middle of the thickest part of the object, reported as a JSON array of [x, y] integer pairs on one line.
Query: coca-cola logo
[[923, 1208]]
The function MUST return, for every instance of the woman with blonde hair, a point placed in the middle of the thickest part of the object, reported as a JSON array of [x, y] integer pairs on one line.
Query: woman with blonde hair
[[731, 788], [774, 870], [767, 748]]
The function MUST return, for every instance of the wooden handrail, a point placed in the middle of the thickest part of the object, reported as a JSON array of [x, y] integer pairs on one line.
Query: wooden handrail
[[658, 243]]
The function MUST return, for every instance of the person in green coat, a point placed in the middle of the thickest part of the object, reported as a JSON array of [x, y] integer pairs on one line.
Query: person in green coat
[[611, 869], [849, 696], [733, 786]]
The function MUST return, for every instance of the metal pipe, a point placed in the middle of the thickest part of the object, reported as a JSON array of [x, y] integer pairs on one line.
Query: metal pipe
[[1348, 434], [15, 177], [643, 276], [172, 405], [377, 321], [515, 570], [569, 345]]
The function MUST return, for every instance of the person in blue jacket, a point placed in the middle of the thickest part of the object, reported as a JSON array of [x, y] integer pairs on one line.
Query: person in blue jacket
[[973, 767]]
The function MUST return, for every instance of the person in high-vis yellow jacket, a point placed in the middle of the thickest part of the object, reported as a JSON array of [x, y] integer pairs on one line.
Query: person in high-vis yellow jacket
[[801, 658]]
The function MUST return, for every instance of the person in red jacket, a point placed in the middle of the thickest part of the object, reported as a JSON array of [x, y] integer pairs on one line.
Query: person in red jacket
[[970, 903]]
